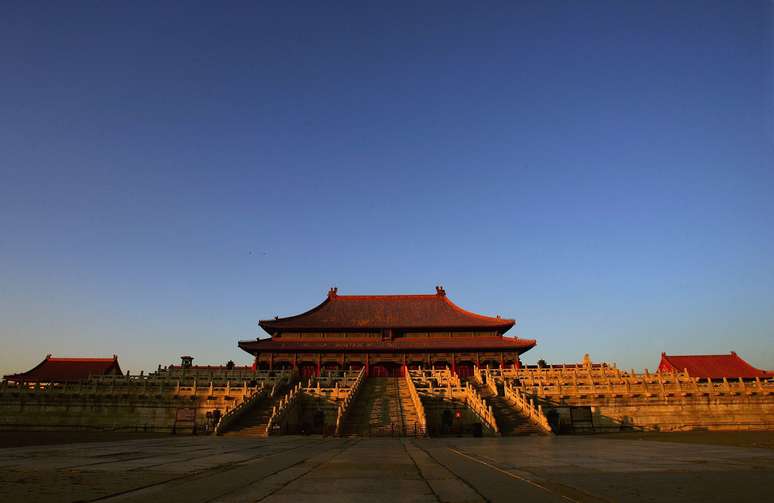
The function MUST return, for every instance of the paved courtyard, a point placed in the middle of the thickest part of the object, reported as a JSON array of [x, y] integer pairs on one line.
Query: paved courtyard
[[199, 469]]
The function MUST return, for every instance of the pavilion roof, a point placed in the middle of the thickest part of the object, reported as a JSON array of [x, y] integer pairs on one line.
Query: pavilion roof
[[371, 312], [67, 369], [712, 366]]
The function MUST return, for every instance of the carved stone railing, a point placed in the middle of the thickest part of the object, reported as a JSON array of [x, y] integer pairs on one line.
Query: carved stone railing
[[345, 404], [334, 394], [455, 380], [285, 405], [477, 375], [650, 385], [491, 383], [238, 410], [157, 385], [422, 419], [527, 407], [479, 406], [435, 378], [218, 380], [127, 388]]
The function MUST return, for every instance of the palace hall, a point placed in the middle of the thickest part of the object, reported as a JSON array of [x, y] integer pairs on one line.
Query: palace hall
[[385, 332]]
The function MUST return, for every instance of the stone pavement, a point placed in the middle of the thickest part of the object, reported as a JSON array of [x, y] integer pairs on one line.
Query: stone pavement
[[277, 469]]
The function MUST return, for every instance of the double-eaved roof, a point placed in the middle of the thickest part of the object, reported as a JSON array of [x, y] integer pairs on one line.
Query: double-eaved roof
[[376, 312], [712, 366], [67, 370]]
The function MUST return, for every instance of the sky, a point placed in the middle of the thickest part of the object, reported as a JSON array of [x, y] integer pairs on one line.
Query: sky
[[170, 173]]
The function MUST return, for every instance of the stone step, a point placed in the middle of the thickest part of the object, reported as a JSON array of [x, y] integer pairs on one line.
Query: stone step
[[510, 420], [254, 422]]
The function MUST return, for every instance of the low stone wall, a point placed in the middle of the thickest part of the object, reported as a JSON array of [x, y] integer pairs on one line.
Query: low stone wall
[[665, 413], [104, 412], [129, 404], [315, 414]]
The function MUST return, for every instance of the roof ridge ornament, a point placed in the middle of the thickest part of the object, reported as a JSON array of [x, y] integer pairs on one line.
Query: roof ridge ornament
[[440, 291], [333, 292]]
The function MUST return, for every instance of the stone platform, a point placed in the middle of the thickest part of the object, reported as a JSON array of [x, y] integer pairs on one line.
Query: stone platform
[[298, 469]]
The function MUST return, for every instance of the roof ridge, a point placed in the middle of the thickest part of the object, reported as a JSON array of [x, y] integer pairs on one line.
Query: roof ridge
[[395, 296], [78, 359], [724, 355]]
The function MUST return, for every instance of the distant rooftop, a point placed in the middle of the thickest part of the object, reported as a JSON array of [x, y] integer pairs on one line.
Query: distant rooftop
[[712, 366], [67, 369]]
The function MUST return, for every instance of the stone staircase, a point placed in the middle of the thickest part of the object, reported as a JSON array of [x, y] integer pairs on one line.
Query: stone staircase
[[253, 422], [510, 420], [383, 407]]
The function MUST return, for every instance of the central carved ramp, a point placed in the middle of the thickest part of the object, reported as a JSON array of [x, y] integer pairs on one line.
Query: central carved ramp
[[382, 408]]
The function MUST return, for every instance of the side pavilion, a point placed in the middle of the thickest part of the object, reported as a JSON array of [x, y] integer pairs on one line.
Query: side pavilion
[[385, 332]]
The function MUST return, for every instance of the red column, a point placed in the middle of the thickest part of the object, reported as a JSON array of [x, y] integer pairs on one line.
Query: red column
[[501, 361], [318, 365], [367, 365], [454, 364]]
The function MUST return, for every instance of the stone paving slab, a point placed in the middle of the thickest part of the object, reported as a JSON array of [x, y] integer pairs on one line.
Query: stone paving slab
[[262, 488], [445, 485], [455, 470]]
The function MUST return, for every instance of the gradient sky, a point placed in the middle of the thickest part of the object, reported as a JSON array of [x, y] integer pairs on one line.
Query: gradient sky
[[600, 171]]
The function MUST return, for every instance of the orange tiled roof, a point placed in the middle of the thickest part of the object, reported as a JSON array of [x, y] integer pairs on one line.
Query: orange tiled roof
[[712, 366], [67, 369], [373, 312]]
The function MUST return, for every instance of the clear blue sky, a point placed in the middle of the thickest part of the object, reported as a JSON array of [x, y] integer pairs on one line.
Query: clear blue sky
[[600, 171]]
